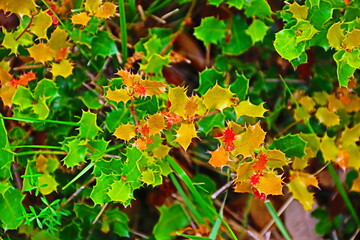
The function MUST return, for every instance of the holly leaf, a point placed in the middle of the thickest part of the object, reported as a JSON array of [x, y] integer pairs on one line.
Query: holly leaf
[[209, 122], [285, 44], [249, 109], [49, 182], [352, 39], [244, 172], [11, 205], [6, 157], [92, 5], [301, 193], [208, 78], [328, 118], [45, 88], [211, 30], [76, 153], [299, 12], [119, 192], [328, 148], [118, 95], [219, 157], [103, 45], [353, 156], [161, 151], [41, 52], [356, 184], [185, 134], [248, 141], [156, 123], [106, 10], [320, 14], [292, 145], [350, 135], [125, 132], [148, 177], [88, 127], [258, 8], [191, 107], [21, 7], [9, 41], [153, 87], [218, 98], [270, 184], [64, 68], [80, 18], [178, 99], [277, 159], [304, 31], [41, 22], [23, 97], [58, 39], [306, 178], [24, 79], [335, 35], [257, 30], [99, 191], [240, 86]]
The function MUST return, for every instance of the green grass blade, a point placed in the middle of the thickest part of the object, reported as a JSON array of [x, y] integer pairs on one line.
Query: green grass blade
[[123, 32], [277, 220], [87, 168], [35, 120]]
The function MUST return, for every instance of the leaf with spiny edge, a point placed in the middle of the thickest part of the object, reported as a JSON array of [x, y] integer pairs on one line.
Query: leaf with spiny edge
[[119, 192], [92, 5], [270, 184], [356, 184], [277, 159], [125, 132], [58, 39], [185, 134], [80, 18], [153, 87], [118, 95], [300, 192], [41, 52], [76, 152], [353, 152], [191, 107], [64, 68], [178, 99], [249, 109], [350, 135], [106, 10], [156, 123], [298, 11], [49, 181], [218, 98], [327, 117], [219, 157], [352, 39], [244, 172], [292, 145], [41, 22], [248, 141], [328, 148], [335, 35], [88, 127]]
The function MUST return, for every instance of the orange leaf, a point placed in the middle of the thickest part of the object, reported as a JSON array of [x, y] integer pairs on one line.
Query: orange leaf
[[153, 87], [156, 123], [185, 134], [106, 10], [343, 158], [228, 139], [356, 184], [127, 77], [219, 157], [243, 187], [140, 144], [305, 178], [260, 163], [270, 183], [24, 79]]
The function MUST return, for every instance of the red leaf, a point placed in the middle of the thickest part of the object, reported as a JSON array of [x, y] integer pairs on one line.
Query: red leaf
[[229, 138], [23, 79], [260, 164]]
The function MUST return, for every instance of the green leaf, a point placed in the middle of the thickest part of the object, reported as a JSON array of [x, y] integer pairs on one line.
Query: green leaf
[[23, 97], [98, 148], [240, 86], [352, 58], [208, 78], [148, 177], [153, 45], [82, 37], [91, 100], [235, 3], [303, 58], [285, 44], [314, 3], [211, 30], [131, 169], [41, 109], [116, 117], [10, 208], [103, 45], [119, 221], [304, 31], [344, 70], [45, 88], [76, 153], [215, 2], [99, 191], [155, 64], [6, 157], [208, 123], [88, 127], [119, 192], [240, 41], [320, 14], [171, 219], [257, 30], [292, 145], [258, 8], [4, 186]]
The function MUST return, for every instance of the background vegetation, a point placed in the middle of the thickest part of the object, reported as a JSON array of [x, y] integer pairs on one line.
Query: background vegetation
[[219, 119]]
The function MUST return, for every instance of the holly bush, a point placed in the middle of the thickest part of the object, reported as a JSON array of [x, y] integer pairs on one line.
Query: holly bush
[[165, 119]]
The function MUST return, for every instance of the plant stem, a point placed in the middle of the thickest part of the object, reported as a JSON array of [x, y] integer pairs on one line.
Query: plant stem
[[277, 220], [33, 146], [123, 32], [35, 120], [40, 152]]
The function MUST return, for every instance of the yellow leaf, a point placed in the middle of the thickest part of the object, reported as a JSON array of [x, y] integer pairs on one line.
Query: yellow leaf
[[354, 104], [218, 98], [300, 114], [92, 5], [243, 187], [299, 12], [235, 127], [352, 39], [219, 157], [276, 159], [9, 41], [58, 39], [161, 151], [156, 123], [354, 155], [185, 133], [118, 95], [327, 117], [244, 172], [335, 35], [306, 178], [42, 21], [320, 98], [125, 132], [329, 148], [21, 7], [153, 87], [41, 163], [49, 181], [41, 52], [249, 109], [300, 192], [248, 141], [64, 68], [270, 183], [106, 10], [81, 18], [356, 184], [308, 103], [6, 94], [178, 99], [191, 107], [350, 135]]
